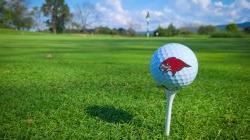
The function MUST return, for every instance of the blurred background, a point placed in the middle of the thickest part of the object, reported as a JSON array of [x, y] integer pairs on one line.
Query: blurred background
[[128, 17]]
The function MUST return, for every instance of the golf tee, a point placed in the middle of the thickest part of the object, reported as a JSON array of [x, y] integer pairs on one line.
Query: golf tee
[[170, 97]]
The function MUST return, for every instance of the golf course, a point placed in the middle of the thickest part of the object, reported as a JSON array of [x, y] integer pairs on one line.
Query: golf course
[[76, 86]]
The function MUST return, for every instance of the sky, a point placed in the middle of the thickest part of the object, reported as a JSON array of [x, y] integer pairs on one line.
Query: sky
[[182, 13]]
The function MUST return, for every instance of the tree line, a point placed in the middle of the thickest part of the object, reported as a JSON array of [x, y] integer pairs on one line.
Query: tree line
[[54, 16], [230, 30]]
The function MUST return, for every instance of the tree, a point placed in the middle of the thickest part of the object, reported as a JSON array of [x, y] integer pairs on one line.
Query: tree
[[15, 14], [247, 29], [86, 14], [131, 31], [103, 30], [58, 13], [184, 31], [205, 30], [37, 17], [171, 30], [232, 27], [122, 31], [161, 31], [2, 12]]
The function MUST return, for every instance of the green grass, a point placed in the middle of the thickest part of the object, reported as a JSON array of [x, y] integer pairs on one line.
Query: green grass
[[99, 87]]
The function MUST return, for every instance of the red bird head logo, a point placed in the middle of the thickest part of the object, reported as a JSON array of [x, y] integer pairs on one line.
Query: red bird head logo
[[172, 64]]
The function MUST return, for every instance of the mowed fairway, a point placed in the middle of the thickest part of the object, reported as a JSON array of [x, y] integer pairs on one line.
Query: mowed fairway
[[99, 87]]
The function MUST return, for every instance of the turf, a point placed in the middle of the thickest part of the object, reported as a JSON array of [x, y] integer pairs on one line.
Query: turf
[[99, 87]]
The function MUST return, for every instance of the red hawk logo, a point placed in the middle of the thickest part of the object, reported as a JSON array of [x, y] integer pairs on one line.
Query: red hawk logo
[[172, 64]]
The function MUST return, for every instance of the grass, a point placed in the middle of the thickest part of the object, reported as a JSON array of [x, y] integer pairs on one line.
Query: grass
[[99, 87]]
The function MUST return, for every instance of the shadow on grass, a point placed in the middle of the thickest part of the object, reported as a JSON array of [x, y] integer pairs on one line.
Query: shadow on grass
[[109, 114]]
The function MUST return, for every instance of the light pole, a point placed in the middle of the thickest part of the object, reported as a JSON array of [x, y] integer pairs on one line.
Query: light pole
[[148, 19]]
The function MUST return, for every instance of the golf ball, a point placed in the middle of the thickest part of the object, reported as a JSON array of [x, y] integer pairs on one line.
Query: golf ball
[[174, 66]]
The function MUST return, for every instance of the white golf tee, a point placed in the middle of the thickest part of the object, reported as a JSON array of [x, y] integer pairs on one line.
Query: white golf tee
[[170, 98]]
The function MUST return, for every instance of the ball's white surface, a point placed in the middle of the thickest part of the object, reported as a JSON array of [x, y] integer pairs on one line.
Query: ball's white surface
[[183, 77]]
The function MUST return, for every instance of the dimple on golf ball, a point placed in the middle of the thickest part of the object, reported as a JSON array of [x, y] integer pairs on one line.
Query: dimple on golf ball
[[174, 66]]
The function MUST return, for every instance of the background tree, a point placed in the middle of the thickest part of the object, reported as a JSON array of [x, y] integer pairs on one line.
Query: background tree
[[58, 13], [76, 26], [184, 31], [232, 27], [171, 30], [205, 30], [71, 25], [131, 31], [122, 31], [2, 11], [38, 18], [160, 31], [103, 30], [86, 15], [15, 14], [247, 29]]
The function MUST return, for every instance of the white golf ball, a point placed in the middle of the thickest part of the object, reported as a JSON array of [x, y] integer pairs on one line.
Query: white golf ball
[[174, 66]]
